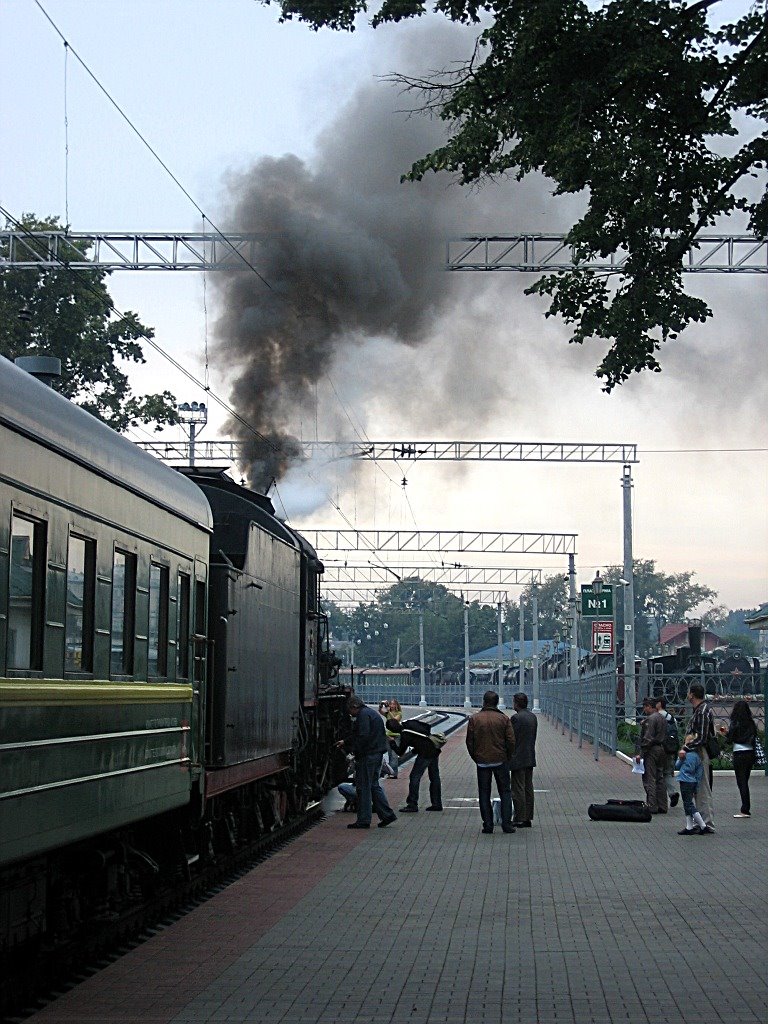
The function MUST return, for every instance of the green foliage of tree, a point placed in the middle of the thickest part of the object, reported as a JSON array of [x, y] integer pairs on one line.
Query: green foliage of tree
[[746, 643], [395, 615], [659, 596], [69, 315], [645, 108]]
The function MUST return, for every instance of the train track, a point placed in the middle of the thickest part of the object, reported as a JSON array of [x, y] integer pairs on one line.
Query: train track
[[31, 984]]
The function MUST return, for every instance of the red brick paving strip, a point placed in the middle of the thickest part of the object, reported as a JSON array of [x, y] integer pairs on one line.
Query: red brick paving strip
[[180, 961]]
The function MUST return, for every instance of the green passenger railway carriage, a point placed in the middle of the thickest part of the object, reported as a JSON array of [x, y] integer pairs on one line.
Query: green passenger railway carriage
[[142, 732]]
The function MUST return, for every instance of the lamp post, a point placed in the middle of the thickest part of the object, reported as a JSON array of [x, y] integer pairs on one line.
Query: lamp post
[[535, 617], [502, 705], [521, 660], [467, 699], [574, 659], [423, 700]]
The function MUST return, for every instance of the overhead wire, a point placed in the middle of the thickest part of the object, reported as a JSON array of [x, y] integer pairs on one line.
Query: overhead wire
[[206, 385], [151, 149]]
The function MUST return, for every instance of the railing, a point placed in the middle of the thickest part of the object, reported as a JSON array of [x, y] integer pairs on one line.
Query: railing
[[451, 696], [586, 707]]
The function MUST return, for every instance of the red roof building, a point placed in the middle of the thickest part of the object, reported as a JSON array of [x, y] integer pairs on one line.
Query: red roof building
[[676, 635]]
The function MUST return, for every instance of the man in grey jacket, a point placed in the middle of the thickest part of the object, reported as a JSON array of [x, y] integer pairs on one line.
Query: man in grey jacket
[[653, 732], [525, 725]]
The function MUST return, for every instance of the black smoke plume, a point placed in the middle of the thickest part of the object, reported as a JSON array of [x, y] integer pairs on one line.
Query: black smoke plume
[[348, 254]]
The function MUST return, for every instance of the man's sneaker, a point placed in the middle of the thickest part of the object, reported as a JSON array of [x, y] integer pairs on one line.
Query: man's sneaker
[[487, 831], [674, 800], [741, 814], [708, 830], [434, 808], [689, 832], [508, 829], [387, 821], [409, 810], [358, 824]]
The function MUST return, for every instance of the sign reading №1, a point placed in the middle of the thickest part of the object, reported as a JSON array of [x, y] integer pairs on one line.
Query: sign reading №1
[[602, 637], [597, 605]]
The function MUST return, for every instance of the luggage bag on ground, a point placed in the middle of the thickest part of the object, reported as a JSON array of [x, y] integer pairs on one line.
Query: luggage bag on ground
[[620, 810]]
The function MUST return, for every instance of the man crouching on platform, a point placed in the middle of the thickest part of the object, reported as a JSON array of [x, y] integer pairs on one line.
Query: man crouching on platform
[[416, 734], [368, 743]]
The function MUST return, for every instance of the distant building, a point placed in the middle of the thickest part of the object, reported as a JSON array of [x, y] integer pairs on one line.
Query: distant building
[[676, 635], [759, 620]]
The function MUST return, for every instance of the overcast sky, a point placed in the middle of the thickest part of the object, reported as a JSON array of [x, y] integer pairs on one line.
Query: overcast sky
[[224, 93]]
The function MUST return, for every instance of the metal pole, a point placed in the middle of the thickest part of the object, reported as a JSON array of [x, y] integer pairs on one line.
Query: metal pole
[[397, 658], [502, 705], [192, 433], [630, 690], [423, 701], [535, 619], [574, 661], [521, 676], [467, 699]]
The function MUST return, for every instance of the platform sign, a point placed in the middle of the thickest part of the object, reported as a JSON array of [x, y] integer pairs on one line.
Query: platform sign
[[602, 637], [597, 605]]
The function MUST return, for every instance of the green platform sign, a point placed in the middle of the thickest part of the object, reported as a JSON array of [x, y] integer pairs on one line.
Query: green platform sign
[[594, 605]]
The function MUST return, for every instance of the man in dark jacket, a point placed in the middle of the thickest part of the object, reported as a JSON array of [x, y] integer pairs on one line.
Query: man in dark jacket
[[368, 743], [525, 725], [491, 745], [653, 732], [416, 734]]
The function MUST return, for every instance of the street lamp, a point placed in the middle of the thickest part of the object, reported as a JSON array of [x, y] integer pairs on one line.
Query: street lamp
[[597, 584]]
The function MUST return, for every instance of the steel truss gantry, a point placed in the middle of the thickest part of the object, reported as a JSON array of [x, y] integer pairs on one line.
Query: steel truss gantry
[[712, 254], [367, 595], [371, 575], [185, 250], [492, 541], [412, 451]]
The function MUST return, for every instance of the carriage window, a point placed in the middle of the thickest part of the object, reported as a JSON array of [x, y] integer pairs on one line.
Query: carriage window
[[183, 629], [123, 612], [81, 586], [157, 664], [27, 594]]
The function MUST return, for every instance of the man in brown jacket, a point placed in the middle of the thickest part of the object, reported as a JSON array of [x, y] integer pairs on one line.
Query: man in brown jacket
[[491, 744]]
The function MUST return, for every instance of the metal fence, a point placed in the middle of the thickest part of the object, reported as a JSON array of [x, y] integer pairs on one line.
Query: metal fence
[[436, 695], [592, 706], [585, 707]]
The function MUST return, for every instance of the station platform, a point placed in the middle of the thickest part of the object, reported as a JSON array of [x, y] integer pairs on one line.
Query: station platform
[[432, 922]]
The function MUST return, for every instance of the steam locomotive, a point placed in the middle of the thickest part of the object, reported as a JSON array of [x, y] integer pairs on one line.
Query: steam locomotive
[[166, 686]]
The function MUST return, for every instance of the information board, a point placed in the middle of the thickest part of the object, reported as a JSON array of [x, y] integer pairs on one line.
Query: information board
[[602, 637]]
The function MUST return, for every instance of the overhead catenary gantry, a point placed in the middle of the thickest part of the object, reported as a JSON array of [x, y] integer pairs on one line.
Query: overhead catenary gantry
[[372, 575], [368, 595], [490, 541], [413, 451], [185, 250]]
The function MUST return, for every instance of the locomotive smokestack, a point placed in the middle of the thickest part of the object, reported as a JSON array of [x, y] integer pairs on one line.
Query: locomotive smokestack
[[45, 368], [694, 637]]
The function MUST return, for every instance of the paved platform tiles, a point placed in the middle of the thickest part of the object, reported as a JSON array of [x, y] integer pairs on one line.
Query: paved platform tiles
[[429, 921]]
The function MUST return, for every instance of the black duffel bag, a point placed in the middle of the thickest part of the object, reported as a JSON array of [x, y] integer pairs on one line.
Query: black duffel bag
[[620, 810]]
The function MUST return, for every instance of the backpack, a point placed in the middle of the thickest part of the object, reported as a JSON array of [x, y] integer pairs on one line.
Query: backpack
[[672, 739], [439, 739]]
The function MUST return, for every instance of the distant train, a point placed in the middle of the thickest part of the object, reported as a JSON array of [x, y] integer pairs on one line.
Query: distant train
[[166, 687]]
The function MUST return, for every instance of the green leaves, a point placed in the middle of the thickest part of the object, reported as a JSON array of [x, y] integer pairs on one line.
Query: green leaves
[[71, 317], [629, 104]]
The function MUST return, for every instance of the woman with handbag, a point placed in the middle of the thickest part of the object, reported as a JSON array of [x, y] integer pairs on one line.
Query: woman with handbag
[[742, 733]]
